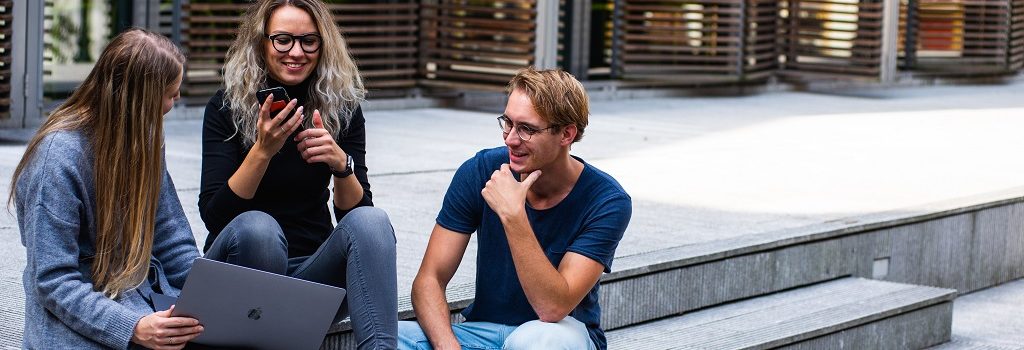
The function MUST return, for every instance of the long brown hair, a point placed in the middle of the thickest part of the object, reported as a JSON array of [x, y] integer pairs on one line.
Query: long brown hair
[[336, 89], [118, 108]]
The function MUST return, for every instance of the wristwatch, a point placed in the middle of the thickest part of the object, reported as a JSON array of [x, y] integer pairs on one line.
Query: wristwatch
[[349, 166]]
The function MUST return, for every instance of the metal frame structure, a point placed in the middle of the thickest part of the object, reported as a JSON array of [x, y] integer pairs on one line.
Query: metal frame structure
[[576, 38], [26, 66], [890, 39], [546, 39]]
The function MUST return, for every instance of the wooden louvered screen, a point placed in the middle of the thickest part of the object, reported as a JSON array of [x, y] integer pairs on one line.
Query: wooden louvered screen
[[839, 39], [476, 44], [761, 42], [208, 30], [165, 18], [958, 36], [929, 30], [1016, 35], [381, 35], [702, 41], [383, 39], [6, 36], [986, 35]]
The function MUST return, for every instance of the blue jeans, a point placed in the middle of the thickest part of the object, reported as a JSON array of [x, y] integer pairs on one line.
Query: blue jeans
[[358, 256], [568, 334]]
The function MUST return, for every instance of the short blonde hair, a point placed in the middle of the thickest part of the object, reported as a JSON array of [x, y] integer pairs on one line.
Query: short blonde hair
[[556, 95]]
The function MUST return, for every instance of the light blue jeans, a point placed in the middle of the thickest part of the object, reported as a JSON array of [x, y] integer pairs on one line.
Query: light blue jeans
[[358, 256], [568, 334]]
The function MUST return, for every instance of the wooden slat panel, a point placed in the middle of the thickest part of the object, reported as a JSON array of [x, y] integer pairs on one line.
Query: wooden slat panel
[[165, 18], [986, 34], [208, 30], [517, 26], [381, 36], [696, 42], [832, 39], [1016, 52], [761, 41], [950, 34], [383, 40], [475, 43], [497, 9], [6, 35]]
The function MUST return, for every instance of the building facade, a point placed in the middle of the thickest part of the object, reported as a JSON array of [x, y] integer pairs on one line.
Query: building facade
[[433, 47]]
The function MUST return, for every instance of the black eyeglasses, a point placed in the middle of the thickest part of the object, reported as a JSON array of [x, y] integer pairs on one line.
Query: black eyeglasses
[[525, 132], [283, 43]]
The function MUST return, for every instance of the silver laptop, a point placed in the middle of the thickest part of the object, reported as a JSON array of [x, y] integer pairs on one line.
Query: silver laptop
[[248, 308]]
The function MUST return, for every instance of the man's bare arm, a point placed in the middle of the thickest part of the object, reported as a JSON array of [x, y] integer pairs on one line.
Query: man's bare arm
[[444, 253], [552, 293]]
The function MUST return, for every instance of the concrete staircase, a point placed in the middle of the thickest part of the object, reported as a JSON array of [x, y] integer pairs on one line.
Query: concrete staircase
[[856, 283], [852, 313]]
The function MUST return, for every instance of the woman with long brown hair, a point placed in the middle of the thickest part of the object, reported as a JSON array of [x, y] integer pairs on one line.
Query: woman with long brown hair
[[265, 192], [99, 217]]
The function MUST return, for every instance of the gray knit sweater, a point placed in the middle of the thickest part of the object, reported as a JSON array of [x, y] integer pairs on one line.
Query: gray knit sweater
[[56, 208]]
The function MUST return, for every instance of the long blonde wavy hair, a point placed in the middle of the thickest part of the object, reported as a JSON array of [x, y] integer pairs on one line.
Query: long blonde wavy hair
[[118, 108], [336, 91]]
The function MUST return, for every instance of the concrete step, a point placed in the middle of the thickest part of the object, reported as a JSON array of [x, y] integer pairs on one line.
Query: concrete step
[[853, 313], [948, 245]]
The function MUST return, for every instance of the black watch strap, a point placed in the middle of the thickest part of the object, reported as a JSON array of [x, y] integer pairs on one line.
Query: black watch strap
[[349, 166]]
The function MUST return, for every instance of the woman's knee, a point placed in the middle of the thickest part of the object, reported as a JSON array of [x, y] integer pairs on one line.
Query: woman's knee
[[369, 217], [256, 230], [566, 334], [252, 239], [369, 228]]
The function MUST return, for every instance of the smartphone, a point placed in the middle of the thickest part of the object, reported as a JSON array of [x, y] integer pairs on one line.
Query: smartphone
[[280, 98]]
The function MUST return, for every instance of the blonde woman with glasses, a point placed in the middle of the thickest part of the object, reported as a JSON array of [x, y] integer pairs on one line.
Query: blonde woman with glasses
[[98, 213], [265, 190]]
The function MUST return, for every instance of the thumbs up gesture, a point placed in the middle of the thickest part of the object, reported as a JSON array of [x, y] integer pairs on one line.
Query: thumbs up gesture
[[316, 145]]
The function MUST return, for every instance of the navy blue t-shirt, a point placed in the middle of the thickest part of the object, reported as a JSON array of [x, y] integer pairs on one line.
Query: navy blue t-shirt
[[589, 221]]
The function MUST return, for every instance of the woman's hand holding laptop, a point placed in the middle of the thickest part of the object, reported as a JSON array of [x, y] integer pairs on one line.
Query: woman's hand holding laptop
[[160, 330]]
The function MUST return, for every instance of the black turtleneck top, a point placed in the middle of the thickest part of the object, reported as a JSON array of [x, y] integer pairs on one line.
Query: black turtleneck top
[[294, 192]]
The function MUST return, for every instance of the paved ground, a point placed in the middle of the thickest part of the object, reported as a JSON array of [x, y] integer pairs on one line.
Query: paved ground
[[699, 169], [989, 319]]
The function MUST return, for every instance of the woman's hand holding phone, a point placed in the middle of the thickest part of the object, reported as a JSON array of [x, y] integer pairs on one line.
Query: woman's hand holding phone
[[274, 131], [316, 145]]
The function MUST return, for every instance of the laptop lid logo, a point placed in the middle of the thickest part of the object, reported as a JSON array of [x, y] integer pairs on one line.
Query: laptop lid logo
[[255, 314]]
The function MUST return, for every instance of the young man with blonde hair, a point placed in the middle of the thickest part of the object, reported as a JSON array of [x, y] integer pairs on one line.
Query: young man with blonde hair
[[547, 223]]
